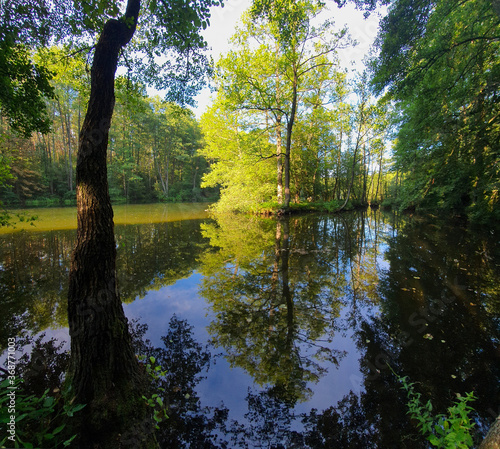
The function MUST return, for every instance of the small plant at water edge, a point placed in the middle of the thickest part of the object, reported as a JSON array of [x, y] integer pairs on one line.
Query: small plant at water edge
[[155, 372], [38, 421], [447, 432]]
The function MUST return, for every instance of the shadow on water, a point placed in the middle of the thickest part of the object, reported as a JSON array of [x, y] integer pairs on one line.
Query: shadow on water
[[302, 306]]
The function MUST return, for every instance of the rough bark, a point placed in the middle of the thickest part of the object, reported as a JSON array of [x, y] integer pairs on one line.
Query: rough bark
[[104, 372], [492, 440], [289, 129]]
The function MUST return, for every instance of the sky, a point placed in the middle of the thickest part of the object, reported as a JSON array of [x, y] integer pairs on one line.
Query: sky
[[224, 21]]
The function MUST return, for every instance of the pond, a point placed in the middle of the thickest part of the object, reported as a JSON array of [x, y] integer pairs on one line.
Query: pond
[[285, 333]]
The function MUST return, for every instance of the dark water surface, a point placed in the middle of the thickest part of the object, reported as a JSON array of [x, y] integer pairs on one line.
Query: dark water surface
[[279, 333]]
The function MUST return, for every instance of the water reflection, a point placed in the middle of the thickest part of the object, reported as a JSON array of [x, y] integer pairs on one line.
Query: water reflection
[[276, 298], [311, 309], [34, 269]]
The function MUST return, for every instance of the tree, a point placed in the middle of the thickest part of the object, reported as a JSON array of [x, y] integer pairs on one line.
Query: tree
[[270, 80], [237, 163], [441, 69], [104, 371], [367, 133], [24, 84]]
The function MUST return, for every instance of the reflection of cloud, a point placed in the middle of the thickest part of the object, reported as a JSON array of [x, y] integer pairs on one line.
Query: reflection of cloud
[[158, 306]]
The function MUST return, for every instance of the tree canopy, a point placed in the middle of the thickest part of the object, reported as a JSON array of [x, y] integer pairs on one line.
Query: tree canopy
[[167, 51], [442, 69]]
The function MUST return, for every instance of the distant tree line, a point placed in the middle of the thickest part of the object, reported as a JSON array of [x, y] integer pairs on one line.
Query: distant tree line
[[153, 150]]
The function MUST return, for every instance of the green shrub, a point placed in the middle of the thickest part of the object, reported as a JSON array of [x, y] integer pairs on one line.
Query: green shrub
[[447, 432], [37, 421], [116, 196], [52, 201], [69, 198], [155, 373]]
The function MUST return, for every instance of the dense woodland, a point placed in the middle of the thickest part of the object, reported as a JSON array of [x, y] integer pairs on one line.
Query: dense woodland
[[418, 130], [153, 147], [288, 126]]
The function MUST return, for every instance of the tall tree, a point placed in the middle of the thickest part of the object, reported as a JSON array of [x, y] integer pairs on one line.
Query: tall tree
[[271, 74], [104, 372], [442, 69]]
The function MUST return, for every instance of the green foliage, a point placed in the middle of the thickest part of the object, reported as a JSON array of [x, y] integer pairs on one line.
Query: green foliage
[[171, 28], [5, 176], [447, 432], [153, 147], [246, 177], [39, 421], [262, 303], [24, 84], [269, 135], [155, 401], [441, 69]]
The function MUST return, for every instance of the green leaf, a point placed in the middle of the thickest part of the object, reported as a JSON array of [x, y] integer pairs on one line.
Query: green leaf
[[59, 429], [78, 407], [48, 402], [433, 440], [68, 442]]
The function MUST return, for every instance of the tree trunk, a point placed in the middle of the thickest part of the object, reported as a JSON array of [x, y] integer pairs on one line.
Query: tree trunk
[[379, 174], [492, 440], [289, 130], [70, 153], [351, 182], [279, 159], [104, 372], [365, 172]]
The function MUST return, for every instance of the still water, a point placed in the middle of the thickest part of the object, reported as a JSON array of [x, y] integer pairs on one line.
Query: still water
[[286, 334]]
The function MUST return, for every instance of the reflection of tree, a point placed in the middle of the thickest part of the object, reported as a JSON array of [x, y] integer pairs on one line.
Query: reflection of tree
[[276, 289], [33, 281], [275, 298], [188, 424], [345, 426], [436, 323], [34, 270], [151, 256]]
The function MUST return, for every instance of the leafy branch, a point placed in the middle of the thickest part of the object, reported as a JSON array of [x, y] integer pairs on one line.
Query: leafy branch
[[452, 431]]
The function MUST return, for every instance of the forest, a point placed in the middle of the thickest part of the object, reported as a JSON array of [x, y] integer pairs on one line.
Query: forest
[[418, 130], [153, 148]]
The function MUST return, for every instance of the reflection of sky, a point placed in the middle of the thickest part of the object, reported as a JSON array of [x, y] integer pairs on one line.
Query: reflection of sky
[[227, 385], [374, 267], [230, 386], [222, 384]]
